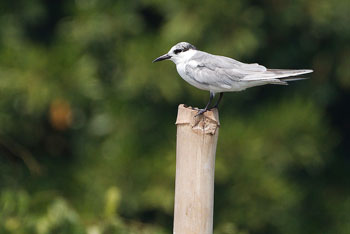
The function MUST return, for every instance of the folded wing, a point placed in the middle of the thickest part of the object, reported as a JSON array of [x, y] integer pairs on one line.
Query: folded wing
[[222, 71]]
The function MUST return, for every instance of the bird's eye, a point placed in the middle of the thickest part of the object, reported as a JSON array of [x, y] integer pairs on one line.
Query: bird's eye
[[177, 51]]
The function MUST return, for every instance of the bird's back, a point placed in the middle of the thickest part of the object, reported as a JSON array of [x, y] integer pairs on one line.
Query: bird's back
[[217, 61]]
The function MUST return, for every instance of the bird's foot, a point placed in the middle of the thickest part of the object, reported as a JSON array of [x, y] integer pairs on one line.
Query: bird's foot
[[201, 111]]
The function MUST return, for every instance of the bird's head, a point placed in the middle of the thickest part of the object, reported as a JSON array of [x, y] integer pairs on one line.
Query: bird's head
[[178, 53]]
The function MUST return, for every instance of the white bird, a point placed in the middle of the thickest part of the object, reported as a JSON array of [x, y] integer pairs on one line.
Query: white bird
[[219, 74]]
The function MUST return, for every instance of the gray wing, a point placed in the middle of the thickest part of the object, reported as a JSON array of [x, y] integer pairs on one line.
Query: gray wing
[[222, 71], [222, 62], [205, 75], [219, 71]]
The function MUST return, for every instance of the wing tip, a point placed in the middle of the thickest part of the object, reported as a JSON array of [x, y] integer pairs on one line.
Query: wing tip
[[308, 71]]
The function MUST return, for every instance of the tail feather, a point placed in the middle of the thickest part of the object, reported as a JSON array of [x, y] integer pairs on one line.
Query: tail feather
[[277, 74], [293, 78], [289, 71], [276, 82]]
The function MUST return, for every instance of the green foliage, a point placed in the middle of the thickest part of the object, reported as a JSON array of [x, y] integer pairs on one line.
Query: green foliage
[[20, 214], [87, 134]]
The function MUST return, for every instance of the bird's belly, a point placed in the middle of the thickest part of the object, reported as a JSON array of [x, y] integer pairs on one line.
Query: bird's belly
[[182, 72]]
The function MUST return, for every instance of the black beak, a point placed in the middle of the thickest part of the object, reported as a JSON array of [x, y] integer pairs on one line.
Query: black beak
[[163, 57]]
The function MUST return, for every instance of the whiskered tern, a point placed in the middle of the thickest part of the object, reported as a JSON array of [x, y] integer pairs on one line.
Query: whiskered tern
[[219, 74]]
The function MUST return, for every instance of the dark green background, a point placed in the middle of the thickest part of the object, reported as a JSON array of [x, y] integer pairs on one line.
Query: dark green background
[[87, 134]]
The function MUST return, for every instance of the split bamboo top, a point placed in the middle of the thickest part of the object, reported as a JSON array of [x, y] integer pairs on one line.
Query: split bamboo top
[[206, 123]]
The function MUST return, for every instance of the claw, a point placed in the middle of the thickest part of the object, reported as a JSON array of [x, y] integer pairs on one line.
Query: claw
[[200, 112]]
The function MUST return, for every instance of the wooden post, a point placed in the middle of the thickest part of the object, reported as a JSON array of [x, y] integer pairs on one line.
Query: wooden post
[[195, 166]]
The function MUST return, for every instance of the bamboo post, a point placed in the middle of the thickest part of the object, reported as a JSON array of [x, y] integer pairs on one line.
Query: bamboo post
[[195, 166]]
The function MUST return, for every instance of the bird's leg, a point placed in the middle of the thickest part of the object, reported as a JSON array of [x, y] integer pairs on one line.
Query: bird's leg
[[217, 103], [201, 111]]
